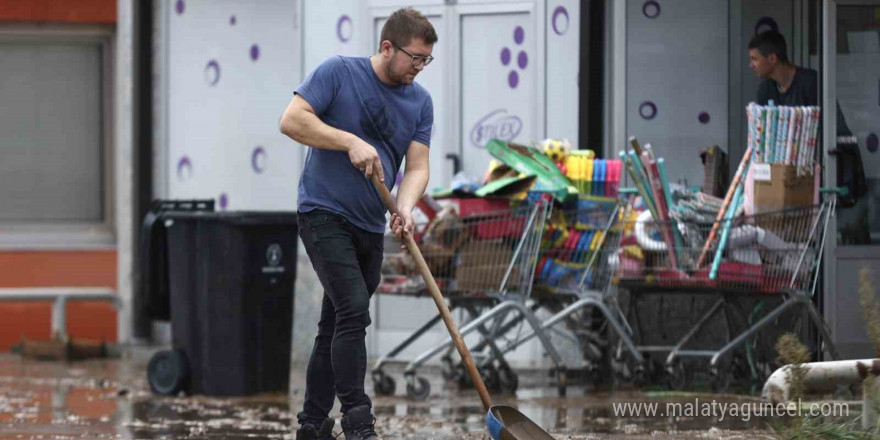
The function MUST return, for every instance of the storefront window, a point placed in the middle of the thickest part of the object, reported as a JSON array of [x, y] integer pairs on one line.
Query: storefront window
[[858, 73]]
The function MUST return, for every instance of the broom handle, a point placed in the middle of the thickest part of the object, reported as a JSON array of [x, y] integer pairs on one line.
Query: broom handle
[[438, 298]]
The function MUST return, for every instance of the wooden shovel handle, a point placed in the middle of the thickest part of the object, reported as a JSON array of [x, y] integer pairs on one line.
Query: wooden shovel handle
[[438, 298]]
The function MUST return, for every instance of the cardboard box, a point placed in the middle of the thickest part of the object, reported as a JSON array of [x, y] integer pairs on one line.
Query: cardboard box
[[779, 187], [485, 253], [485, 278]]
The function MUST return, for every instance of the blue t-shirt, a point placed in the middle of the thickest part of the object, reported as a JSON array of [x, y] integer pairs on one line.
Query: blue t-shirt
[[347, 94]]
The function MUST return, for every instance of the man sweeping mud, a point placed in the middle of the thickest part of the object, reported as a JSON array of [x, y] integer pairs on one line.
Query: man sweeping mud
[[360, 116]]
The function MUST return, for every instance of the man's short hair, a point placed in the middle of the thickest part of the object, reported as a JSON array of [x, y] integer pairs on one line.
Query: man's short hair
[[770, 42], [405, 24]]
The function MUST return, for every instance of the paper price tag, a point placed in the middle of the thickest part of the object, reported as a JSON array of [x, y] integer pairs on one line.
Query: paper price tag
[[761, 172]]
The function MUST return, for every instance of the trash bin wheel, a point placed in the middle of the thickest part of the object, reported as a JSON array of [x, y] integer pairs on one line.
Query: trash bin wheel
[[167, 372]]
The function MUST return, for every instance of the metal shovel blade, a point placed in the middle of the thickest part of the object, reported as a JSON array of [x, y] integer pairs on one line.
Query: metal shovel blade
[[506, 423]]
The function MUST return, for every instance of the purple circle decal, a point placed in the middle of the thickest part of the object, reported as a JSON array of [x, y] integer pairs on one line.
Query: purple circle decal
[[871, 142], [522, 59], [505, 56], [232, 20], [560, 26], [258, 160], [648, 110], [184, 169], [224, 201], [704, 117], [180, 6], [519, 35], [513, 79], [255, 52], [344, 28], [212, 72], [651, 9]]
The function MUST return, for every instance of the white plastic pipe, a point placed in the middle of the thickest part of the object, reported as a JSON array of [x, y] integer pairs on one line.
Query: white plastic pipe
[[820, 376]]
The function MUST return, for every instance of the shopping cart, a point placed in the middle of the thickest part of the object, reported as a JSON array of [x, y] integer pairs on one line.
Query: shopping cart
[[573, 280], [483, 263], [767, 255]]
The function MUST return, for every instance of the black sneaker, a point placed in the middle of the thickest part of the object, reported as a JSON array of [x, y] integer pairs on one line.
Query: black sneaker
[[358, 424], [311, 432]]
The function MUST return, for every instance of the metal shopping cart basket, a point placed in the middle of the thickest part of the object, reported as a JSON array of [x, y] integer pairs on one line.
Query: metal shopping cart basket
[[767, 255], [483, 263]]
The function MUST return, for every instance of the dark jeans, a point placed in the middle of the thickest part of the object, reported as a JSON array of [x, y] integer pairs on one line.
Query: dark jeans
[[348, 261]]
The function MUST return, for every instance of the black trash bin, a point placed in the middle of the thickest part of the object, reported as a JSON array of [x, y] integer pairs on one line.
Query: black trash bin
[[231, 278]]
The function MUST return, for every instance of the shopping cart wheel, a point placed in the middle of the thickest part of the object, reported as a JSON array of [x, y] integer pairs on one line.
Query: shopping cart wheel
[[628, 371], [418, 388], [678, 375], [168, 372], [595, 376], [561, 381], [721, 379], [448, 368], [509, 380], [491, 378], [640, 378], [383, 384], [462, 376]]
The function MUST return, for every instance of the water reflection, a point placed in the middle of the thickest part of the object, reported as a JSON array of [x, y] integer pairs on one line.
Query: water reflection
[[110, 400]]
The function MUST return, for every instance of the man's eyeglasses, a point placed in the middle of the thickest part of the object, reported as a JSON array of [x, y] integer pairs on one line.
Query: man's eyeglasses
[[416, 60]]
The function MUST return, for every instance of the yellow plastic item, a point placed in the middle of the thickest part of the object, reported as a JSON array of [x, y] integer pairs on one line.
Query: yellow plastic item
[[634, 252], [572, 167], [597, 238], [587, 170], [588, 154]]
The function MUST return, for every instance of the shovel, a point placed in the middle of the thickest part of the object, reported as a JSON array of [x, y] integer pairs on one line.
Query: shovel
[[503, 422]]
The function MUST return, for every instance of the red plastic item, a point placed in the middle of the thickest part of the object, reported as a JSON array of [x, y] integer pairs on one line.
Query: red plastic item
[[487, 230]]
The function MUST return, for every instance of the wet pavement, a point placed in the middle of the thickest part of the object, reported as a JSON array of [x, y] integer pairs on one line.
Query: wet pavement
[[109, 399]]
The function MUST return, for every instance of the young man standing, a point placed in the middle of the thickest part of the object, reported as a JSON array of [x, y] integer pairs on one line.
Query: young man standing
[[360, 116], [785, 83]]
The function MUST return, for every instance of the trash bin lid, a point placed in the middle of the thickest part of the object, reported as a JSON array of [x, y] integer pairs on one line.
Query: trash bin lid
[[236, 217]]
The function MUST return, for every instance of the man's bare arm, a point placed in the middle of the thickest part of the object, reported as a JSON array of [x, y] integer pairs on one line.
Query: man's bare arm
[[300, 123], [415, 180], [415, 176]]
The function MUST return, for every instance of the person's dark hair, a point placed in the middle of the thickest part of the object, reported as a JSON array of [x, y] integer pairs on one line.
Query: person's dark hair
[[405, 24], [770, 42]]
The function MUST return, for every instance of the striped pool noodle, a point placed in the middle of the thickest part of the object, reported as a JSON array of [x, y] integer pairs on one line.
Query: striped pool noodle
[[664, 180], [814, 133], [662, 209], [725, 205], [771, 133], [756, 135], [796, 131], [643, 174], [781, 135], [637, 181], [753, 126], [725, 231], [802, 114], [799, 153], [804, 140], [791, 129], [750, 116], [762, 133]]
